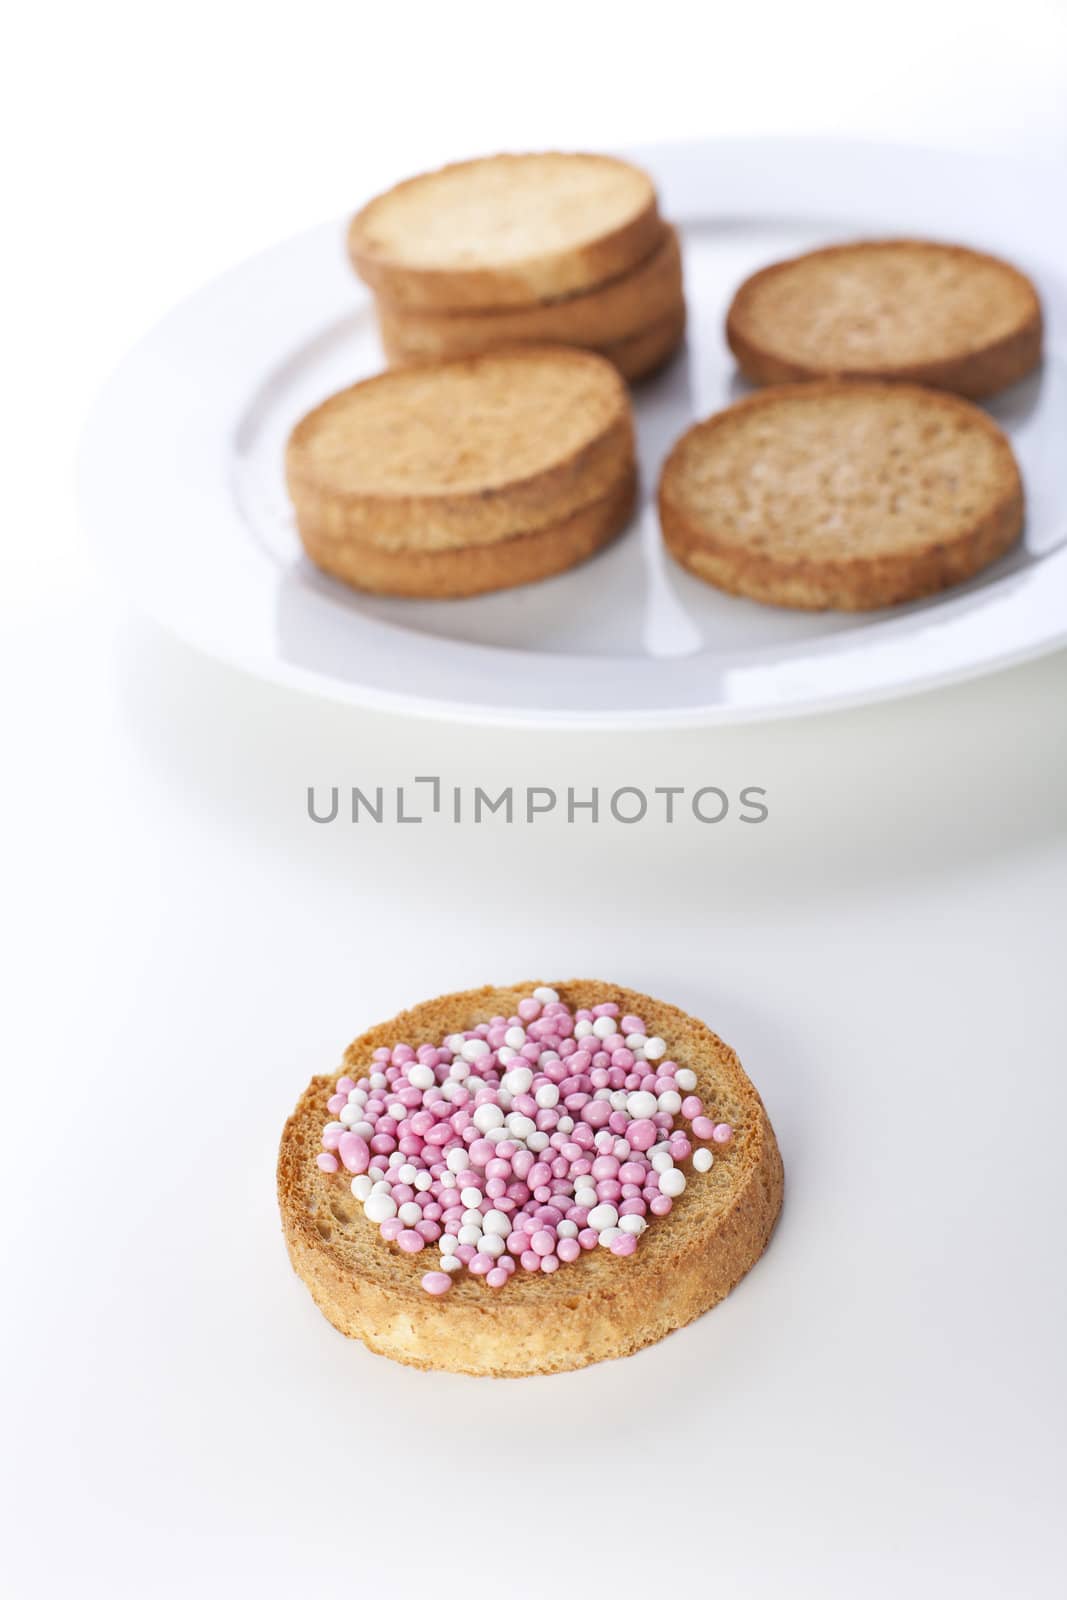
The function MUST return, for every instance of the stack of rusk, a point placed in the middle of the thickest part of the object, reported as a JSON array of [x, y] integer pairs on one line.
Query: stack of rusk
[[523, 249], [465, 476]]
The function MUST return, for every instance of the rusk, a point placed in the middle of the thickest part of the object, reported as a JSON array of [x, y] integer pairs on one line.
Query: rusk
[[616, 311], [462, 453], [896, 309], [506, 230], [850, 495], [601, 1306], [474, 569]]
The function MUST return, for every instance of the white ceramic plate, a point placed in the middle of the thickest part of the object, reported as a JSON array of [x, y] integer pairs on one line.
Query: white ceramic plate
[[183, 487]]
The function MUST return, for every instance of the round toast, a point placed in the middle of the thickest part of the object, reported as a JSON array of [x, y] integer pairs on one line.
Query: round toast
[[600, 1306], [845, 495], [606, 315], [475, 569], [897, 309], [507, 230], [462, 453]]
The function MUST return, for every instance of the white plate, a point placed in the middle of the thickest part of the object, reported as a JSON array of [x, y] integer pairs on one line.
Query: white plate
[[183, 488]]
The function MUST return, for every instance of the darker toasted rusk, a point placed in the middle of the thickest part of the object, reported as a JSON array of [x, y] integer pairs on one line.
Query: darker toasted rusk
[[599, 1307], [903, 310], [847, 495], [505, 231]]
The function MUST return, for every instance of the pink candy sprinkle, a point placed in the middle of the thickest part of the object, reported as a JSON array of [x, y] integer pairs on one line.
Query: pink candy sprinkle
[[429, 1173]]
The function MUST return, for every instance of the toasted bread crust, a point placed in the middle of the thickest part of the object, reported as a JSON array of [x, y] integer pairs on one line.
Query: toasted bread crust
[[475, 569], [645, 352], [600, 220], [600, 1307], [601, 316], [852, 310], [843, 495], [637, 356], [461, 453]]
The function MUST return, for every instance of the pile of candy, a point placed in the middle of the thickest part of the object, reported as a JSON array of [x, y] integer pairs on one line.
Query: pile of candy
[[522, 1142]]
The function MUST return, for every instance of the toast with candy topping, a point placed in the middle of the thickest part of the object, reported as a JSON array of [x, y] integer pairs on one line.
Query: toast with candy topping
[[504, 1182]]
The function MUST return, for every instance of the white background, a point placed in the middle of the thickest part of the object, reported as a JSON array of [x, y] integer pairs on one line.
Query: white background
[[879, 1408]]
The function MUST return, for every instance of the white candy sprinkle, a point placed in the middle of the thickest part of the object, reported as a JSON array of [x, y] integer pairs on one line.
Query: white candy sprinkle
[[496, 1222], [491, 1244], [362, 1186], [641, 1104], [582, 1030], [518, 1080], [457, 1159], [505, 1055], [377, 1080], [488, 1116], [379, 1207], [477, 1049], [410, 1213], [451, 1264], [672, 1182], [455, 1043], [608, 1234], [472, 1218], [521, 1127], [407, 1173], [334, 1127], [350, 1114], [494, 1135], [567, 1229], [631, 1224], [603, 1216], [382, 1186], [396, 1160], [635, 1041], [537, 1142], [547, 1096], [547, 996], [670, 1101], [654, 1049], [515, 1038], [470, 1235], [396, 1111], [604, 1027], [447, 1244], [422, 1180], [685, 1078], [618, 1100], [421, 1076], [703, 1160], [662, 1161], [459, 1072], [472, 1198], [565, 1125]]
